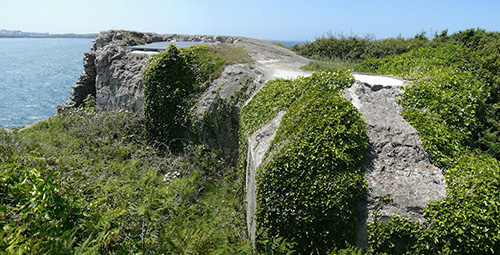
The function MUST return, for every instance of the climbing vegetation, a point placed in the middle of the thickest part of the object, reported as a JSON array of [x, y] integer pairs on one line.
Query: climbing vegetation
[[90, 182], [169, 87], [173, 80], [453, 102], [311, 178]]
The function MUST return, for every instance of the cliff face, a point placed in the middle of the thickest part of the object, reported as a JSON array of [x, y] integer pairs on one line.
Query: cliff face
[[113, 73]]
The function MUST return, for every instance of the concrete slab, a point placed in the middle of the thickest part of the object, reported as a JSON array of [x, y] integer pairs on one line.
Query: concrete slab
[[379, 80]]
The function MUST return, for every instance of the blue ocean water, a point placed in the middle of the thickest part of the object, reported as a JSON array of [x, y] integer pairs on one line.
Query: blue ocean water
[[35, 75], [289, 44]]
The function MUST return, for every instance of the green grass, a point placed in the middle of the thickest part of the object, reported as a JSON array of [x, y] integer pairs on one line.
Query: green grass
[[280, 45], [90, 182], [232, 54], [108, 191]]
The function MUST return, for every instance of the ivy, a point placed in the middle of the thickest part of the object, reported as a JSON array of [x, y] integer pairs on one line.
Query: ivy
[[311, 179], [453, 104], [173, 80], [309, 189], [168, 86]]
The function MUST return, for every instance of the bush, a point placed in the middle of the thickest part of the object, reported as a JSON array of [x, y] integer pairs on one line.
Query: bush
[[355, 48], [457, 83], [36, 216], [465, 222], [113, 192], [89, 182], [173, 80]]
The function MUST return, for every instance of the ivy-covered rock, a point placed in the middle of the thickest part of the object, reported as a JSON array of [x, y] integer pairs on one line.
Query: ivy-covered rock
[[309, 189], [174, 81], [453, 104], [169, 83], [310, 181]]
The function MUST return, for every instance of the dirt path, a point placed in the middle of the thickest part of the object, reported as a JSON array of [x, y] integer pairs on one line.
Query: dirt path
[[274, 61]]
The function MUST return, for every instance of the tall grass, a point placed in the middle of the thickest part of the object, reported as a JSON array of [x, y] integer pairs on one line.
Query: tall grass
[[112, 192]]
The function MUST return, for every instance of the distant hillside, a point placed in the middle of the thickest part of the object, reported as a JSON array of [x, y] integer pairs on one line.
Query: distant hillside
[[20, 34]]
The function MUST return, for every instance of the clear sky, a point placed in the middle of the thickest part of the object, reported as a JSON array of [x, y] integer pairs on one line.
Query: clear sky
[[264, 19]]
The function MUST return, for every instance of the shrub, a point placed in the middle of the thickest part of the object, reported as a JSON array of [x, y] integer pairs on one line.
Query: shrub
[[173, 80], [36, 216], [134, 198], [465, 222], [89, 182], [397, 236], [355, 48], [456, 81]]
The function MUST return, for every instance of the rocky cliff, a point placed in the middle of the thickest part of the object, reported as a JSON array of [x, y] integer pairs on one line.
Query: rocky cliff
[[399, 173], [113, 72]]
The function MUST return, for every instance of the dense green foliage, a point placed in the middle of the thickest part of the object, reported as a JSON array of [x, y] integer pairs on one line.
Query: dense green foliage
[[453, 103], [465, 222], [88, 182], [339, 52], [169, 86], [279, 94], [309, 190], [332, 47], [311, 180], [173, 80]]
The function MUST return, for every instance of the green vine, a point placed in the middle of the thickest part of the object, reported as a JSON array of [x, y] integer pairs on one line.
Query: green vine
[[311, 178]]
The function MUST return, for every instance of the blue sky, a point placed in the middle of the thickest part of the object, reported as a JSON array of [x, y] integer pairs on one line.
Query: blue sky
[[278, 19]]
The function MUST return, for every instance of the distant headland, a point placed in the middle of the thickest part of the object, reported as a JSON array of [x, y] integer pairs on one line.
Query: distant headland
[[21, 34]]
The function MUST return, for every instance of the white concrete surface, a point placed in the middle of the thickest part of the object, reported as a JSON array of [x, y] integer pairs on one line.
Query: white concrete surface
[[378, 80]]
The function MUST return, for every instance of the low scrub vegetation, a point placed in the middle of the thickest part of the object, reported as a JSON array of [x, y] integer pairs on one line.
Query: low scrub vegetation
[[333, 52], [453, 103], [89, 182]]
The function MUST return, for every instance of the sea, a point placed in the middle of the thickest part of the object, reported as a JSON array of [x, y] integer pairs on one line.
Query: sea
[[289, 44], [36, 75]]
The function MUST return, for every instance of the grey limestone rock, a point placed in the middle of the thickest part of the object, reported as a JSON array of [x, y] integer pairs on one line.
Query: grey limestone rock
[[113, 73], [400, 174], [258, 145]]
